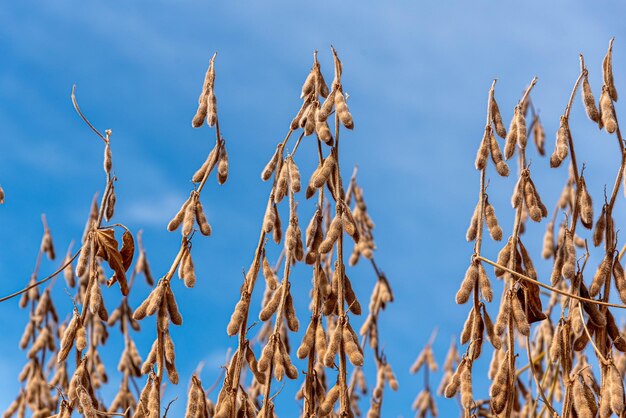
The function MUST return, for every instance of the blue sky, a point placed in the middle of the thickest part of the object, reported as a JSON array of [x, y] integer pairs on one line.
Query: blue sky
[[417, 74]]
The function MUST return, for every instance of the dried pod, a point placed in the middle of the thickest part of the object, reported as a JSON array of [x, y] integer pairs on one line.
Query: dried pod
[[271, 165], [539, 135], [290, 314], [351, 346], [322, 176], [467, 399], [329, 401], [484, 283], [569, 262], [491, 333], [607, 72], [521, 321], [496, 118], [307, 341], [620, 279], [172, 307], [211, 118], [222, 165], [499, 391], [68, 338], [584, 400], [492, 222], [294, 176], [271, 306], [607, 112], [598, 232], [282, 183], [561, 149], [203, 224], [180, 215], [511, 138], [269, 220], [342, 110], [548, 241], [334, 230], [616, 387], [466, 333], [586, 205], [333, 346], [602, 274], [483, 150], [520, 124], [108, 157], [455, 381], [468, 283], [588, 100], [503, 259], [270, 277], [503, 315]]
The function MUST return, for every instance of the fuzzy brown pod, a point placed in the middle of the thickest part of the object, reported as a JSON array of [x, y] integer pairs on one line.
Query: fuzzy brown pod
[[268, 273], [496, 156], [620, 278], [495, 341], [333, 345], [343, 113], [503, 259], [584, 399], [272, 163], [110, 205], [351, 346], [519, 315], [203, 223], [616, 389], [472, 229], [520, 123], [207, 86], [607, 72], [172, 307], [539, 135], [569, 261], [483, 150], [586, 205], [588, 100], [296, 121], [180, 215], [272, 305], [308, 341], [561, 149], [614, 332], [492, 222], [294, 175], [68, 338], [206, 167], [607, 111], [511, 137], [496, 117], [504, 314], [323, 175], [334, 230], [601, 275], [290, 314], [211, 118], [222, 165], [598, 232], [499, 391], [311, 118], [466, 333], [467, 285]]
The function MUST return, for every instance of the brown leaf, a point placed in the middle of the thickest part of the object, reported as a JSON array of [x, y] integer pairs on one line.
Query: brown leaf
[[107, 249], [128, 249]]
